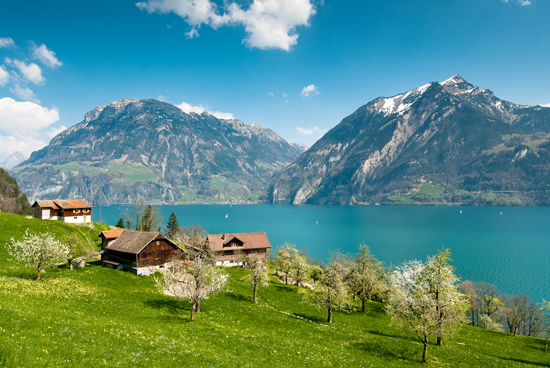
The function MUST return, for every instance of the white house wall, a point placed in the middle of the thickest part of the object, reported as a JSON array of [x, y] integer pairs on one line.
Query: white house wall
[[77, 219]]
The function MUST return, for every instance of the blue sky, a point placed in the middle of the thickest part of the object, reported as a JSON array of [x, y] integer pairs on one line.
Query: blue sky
[[296, 66]]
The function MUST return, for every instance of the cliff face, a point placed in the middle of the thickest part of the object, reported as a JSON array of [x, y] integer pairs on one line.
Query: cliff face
[[449, 142], [152, 151]]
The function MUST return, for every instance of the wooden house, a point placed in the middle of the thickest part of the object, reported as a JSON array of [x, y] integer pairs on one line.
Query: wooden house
[[228, 246], [72, 210], [138, 251]]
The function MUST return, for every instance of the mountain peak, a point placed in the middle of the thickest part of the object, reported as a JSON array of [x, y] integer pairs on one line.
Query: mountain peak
[[455, 79]]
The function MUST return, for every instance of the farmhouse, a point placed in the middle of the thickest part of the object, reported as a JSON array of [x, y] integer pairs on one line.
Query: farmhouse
[[137, 251], [72, 210], [229, 245]]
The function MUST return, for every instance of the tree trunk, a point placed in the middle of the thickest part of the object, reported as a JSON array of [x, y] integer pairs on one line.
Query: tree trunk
[[329, 319], [70, 264], [439, 340], [354, 297], [192, 313], [199, 306], [363, 305], [425, 353], [546, 345], [38, 276], [255, 288], [286, 279], [297, 286]]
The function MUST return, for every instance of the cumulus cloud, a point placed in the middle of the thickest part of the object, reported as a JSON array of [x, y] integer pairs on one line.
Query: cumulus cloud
[[46, 56], [270, 94], [31, 72], [6, 42], [26, 116], [55, 131], [269, 24], [546, 105], [188, 108], [21, 123], [310, 90], [4, 76], [310, 131]]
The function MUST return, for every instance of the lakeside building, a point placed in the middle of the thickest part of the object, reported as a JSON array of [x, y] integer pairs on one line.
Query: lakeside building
[[67, 210], [228, 246], [138, 251]]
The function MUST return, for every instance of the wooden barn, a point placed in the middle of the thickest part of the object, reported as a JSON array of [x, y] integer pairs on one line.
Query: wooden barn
[[228, 246], [138, 251]]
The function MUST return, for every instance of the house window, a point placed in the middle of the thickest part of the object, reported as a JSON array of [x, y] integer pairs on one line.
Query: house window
[[233, 245]]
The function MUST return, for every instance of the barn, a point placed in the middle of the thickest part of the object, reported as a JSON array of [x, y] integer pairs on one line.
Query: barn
[[138, 251]]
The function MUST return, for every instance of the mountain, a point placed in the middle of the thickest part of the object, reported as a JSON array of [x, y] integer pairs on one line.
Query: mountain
[[12, 200], [449, 142], [12, 161], [151, 151]]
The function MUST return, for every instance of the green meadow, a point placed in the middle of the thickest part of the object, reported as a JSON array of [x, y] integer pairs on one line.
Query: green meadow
[[94, 316]]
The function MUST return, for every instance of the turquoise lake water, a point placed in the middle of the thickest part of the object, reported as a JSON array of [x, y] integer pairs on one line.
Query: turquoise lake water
[[511, 250]]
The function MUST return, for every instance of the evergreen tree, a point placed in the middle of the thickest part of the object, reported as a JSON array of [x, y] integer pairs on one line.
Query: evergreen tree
[[120, 223], [172, 227]]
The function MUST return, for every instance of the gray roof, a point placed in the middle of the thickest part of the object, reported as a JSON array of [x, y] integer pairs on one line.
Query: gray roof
[[134, 241]]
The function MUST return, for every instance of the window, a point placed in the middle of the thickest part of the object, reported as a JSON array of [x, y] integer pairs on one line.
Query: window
[[233, 245]]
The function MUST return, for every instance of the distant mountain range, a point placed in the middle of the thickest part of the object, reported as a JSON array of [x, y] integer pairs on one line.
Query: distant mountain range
[[12, 161], [449, 142], [151, 151]]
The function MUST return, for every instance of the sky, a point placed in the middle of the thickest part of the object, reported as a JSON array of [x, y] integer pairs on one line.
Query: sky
[[297, 67]]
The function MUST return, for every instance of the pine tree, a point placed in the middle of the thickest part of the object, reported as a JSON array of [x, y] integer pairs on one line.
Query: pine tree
[[172, 226], [120, 223]]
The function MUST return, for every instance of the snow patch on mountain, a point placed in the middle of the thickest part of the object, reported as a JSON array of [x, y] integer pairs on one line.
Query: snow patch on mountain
[[402, 103]]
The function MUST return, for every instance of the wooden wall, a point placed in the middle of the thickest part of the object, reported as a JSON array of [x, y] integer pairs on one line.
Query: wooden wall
[[157, 253]]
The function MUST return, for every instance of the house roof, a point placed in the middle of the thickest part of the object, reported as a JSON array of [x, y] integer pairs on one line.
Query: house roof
[[133, 242], [250, 240], [111, 234], [63, 204]]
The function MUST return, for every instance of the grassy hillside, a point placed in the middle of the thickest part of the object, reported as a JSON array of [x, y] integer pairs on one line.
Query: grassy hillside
[[100, 317]]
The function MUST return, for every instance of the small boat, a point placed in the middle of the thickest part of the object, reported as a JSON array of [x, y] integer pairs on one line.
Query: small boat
[[460, 211], [226, 215], [501, 213]]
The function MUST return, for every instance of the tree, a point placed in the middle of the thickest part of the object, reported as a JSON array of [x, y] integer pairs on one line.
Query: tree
[[367, 277], [450, 304], [316, 272], [172, 227], [151, 220], [194, 284], [283, 259], [471, 291], [331, 292], [120, 223], [39, 251], [545, 326], [489, 298], [299, 269], [425, 299], [77, 248], [258, 275]]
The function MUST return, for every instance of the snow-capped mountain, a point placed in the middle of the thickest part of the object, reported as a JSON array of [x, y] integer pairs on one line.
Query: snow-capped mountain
[[12, 161], [453, 134]]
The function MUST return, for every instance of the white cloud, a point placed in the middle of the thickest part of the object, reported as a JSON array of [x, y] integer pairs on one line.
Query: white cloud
[[546, 105], [22, 122], [188, 108], [284, 95], [310, 131], [46, 56], [6, 42], [193, 33], [162, 98], [31, 72], [520, 2], [24, 92], [55, 131], [310, 90], [4, 76], [269, 24], [270, 94], [25, 117]]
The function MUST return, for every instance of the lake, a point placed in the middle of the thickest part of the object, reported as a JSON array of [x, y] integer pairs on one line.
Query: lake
[[506, 246]]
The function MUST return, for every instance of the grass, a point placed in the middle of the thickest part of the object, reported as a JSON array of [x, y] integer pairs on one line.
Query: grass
[[511, 141], [95, 316], [427, 188], [404, 199]]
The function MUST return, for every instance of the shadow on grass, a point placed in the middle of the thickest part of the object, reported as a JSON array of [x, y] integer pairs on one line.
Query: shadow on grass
[[399, 337], [172, 305], [523, 361], [317, 319], [287, 288], [240, 297], [402, 351]]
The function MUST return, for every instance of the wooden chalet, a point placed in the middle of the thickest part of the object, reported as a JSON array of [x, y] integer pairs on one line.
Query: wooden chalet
[[71, 210], [228, 246], [138, 251]]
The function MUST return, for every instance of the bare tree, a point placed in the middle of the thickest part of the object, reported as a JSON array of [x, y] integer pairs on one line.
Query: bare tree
[[194, 284], [489, 298], [470, 289], [367, 277], [331, 291], [258, 275], [143, 218], [39, 251]]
